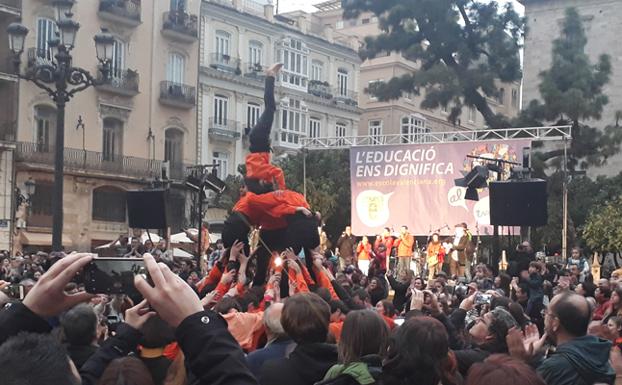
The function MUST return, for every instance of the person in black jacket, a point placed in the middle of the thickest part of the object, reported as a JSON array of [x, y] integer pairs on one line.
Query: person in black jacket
[[305, 319], [79, 328], [400, 287], [213, 355]]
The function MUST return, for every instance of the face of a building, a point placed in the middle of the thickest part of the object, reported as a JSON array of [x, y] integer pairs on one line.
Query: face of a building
[[118, 136], [316, 92]]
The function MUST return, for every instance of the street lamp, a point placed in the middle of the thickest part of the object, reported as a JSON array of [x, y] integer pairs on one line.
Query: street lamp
[[61, 81]]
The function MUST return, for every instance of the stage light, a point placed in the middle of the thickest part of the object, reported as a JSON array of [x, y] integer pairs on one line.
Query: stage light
[[471, 194]]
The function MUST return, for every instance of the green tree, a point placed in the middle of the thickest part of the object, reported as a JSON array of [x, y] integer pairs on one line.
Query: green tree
[[572, 94], [328, 184], [462, 47], [603, 229]]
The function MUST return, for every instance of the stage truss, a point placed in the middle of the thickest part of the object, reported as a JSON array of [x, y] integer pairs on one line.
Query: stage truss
[[547, 133]]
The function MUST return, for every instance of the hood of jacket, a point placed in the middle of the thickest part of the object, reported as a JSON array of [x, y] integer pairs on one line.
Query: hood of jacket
[[589, 355], [313, 360]]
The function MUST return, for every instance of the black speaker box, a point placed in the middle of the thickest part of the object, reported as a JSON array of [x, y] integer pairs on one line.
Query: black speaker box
[[518, 203], [147, 209]]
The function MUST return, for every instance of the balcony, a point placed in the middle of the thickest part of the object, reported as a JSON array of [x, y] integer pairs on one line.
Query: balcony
[[89, 161], [177, 95], [38, 56], [180, 26], [223, 129], [122, 82], [225, 63], [125, 12], [12, 7], [346, 96], [320, 89], [255, 71]]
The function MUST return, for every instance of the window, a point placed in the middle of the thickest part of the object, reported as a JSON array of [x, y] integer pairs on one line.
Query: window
[[178, 5], [118, 59], [370, 87], [501, 96], [46, 31], [294, 55], [223, 44], [109, 204], [375, 131], [340, 132], [293, 122], [41, 205], [45, 128], [221, 104], [255, 53], [342, 82], [222, 160], [113, 140], [515, 98], [365, 21], [314, 128], [472, 114], [173, 146], [176, 68], [252, 114], [413, 129], [339, 25], [317, 67]]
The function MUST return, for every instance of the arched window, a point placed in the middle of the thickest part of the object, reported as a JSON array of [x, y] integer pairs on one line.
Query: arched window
[[173, 146], [45, 128], [109, 204], [223, 44], [46, 31], [501, 97], [253, 110], [112, 141]]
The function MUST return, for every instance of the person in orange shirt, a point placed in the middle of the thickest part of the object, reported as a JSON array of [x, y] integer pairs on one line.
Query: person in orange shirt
[[387, 311], [338, 312], [435, 252], [260, 173], [363, 251]]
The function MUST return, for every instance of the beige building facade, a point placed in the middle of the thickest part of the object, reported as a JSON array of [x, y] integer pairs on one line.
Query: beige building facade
[[138, 128], [403, 116], [602, 22], [316, 92]]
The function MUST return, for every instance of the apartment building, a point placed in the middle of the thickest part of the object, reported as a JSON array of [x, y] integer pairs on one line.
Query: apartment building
[[316, 91], [118, 136], [403, 116]]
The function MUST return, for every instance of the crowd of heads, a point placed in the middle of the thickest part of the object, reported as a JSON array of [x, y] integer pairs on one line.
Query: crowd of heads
[[404, 328]]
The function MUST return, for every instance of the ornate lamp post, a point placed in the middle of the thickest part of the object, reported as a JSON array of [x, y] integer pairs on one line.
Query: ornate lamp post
[[61, 81]]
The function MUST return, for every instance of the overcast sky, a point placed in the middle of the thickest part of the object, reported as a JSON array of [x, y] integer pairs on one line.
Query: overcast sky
[[292, 5]]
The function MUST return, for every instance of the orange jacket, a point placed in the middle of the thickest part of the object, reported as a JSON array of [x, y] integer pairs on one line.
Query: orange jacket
[[405, 246], [335, 329], [258, 166], [363, 251], [272, 208]]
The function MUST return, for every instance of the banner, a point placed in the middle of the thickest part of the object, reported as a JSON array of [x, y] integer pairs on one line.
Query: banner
[[413, 185]]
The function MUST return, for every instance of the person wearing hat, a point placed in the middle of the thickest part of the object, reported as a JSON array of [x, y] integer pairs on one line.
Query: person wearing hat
[[487, 335]]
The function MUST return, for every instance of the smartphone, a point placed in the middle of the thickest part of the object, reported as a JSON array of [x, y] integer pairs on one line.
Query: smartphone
[[15, 291], [113, 275], [481, 299]]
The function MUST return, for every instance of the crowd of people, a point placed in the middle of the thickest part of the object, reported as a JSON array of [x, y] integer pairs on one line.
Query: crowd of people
[[287, 310]]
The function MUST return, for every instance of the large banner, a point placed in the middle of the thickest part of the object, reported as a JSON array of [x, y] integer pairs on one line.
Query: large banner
[[413, 185]]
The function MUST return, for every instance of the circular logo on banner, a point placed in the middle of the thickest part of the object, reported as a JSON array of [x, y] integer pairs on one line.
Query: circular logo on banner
[[372, 207]]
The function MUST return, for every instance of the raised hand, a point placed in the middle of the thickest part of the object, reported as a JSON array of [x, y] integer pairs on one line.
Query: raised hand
[[236, 250], [416, 301], [48, 298], [137, 316], [171, 297], [227, 277]]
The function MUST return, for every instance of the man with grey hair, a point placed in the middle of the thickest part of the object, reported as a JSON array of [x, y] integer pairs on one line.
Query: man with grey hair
[[279, 344]]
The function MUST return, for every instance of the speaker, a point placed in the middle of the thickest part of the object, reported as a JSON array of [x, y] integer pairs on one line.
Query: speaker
[[146, 209], [518, 203]]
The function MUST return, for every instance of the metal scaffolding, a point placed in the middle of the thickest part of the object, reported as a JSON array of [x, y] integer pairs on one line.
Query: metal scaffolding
[[548, 133]]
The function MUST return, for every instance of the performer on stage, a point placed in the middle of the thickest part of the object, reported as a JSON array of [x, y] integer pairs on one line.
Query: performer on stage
[[364, 252], [458, 262], [404, 250], [435, 254]]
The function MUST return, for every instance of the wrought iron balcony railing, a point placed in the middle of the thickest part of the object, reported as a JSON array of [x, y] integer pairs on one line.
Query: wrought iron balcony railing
[[124, 82], [224, 62], [320, 89], [224, 129], [181, 25], [123, 11], [177, 94]]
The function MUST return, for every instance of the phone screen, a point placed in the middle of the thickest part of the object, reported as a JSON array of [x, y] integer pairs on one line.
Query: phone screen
[[113, 275], [15, 291]]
